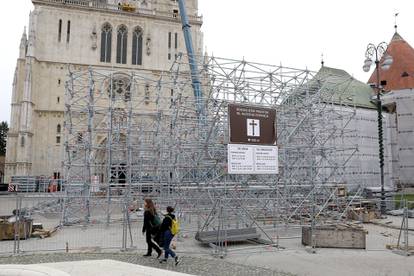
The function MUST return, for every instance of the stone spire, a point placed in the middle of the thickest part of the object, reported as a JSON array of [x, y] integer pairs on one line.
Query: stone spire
[[32, 35], [23, 44]]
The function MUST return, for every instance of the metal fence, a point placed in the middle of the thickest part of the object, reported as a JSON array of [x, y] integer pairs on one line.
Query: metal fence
[[35, 224]]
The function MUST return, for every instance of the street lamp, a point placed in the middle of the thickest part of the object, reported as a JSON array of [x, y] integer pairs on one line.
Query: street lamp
[[376, 54]]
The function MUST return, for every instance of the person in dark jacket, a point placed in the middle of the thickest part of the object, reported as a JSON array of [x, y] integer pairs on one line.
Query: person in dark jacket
[[149, 226], [165, 229]]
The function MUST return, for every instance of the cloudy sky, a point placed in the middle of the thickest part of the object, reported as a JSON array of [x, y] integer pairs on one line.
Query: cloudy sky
[[293, 33]]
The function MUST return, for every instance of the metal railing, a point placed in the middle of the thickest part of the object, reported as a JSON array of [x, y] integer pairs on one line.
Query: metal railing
[[35, 224]]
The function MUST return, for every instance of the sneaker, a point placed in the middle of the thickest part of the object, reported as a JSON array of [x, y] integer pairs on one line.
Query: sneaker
[[163, 261], [177, 260], [146, 255]]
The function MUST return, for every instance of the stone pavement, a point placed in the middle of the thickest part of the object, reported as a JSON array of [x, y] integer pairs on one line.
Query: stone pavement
[[189, 265], [30, 270], [85, 268]]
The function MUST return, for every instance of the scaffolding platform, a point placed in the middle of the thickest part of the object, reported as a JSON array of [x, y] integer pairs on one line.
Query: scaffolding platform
[[228, 235]]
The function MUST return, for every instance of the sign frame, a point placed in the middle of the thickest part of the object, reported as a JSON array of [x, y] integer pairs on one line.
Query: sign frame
[[239, 115]]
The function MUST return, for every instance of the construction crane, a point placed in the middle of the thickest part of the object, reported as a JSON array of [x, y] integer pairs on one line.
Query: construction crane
[[192, 59]]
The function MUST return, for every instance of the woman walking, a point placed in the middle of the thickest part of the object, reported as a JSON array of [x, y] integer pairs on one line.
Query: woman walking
[[150, 226], [167, 234]]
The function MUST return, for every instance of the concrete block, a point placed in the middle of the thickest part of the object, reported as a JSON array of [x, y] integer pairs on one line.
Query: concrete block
[[334, 237]]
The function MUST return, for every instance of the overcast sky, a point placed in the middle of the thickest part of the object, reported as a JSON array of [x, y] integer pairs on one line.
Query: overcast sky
[[294, 33]]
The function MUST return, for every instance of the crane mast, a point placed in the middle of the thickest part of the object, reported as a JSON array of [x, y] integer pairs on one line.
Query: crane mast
[[192, 59]]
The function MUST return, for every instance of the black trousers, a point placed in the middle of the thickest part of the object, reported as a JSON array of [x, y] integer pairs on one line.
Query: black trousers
[[151, 244]]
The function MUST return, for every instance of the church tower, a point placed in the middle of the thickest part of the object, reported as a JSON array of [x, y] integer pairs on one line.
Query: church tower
[[401, 73], [143, 35], [398, 99]]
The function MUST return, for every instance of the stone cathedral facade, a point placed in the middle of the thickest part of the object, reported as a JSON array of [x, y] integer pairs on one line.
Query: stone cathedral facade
[[143, 35]]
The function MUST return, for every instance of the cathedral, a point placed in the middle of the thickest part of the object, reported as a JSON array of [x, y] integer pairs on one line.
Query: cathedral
[[117, 35], [146, 36]]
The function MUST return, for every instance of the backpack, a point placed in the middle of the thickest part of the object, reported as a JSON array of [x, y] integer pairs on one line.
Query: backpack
[[156, 221], [175, 226]]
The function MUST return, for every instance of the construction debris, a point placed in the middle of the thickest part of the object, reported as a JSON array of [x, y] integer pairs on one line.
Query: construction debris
[[9, 225], [42, 234], [365, 211], [400, 212], [409, 250]]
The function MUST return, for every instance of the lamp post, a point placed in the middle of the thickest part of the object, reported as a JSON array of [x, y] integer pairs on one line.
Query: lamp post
[[376, 53]]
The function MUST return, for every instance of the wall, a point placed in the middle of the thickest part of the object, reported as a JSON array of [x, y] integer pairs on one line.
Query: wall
[[361, 133], [402, 105]]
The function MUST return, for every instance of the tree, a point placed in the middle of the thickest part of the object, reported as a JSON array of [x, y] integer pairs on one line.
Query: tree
[[4, 128]]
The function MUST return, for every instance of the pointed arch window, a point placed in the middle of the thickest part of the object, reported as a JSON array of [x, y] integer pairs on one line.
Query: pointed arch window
[[121, 45], [137, 46], [106, 43], [60, 30], [59, 129], [68, 33]]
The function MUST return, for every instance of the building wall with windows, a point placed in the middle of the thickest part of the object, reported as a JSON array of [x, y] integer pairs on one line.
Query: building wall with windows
[[73, 35], [400, 104], [398, 100]]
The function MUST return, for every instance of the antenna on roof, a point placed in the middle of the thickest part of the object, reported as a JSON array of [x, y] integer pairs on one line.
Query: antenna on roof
[[395, 21]]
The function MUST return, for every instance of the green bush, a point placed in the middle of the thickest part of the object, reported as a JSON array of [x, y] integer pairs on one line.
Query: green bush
[[399, 198]]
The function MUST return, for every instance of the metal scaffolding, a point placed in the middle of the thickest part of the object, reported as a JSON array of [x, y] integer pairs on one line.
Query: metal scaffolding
[[136, 134]]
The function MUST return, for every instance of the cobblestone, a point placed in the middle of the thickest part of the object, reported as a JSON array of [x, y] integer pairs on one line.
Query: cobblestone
[[190, 265]]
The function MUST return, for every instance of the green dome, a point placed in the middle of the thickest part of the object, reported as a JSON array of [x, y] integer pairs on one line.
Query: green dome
[[339, 87]]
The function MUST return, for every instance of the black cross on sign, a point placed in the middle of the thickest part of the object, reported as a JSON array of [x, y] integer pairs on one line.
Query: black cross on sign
[[253, 124]]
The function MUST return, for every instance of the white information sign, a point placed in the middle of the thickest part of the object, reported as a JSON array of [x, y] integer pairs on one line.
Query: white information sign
[[252, 159]]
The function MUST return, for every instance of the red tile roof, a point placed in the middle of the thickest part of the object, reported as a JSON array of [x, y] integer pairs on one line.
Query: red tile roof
[[401, 73]]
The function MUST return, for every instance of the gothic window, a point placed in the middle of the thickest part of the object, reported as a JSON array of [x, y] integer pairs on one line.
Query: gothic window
[[147, 93], [121, 45], [60, 30], [56, 175], [106, 43], [58, 129], [169, 40], [80, 138], [57, 139], [137, 47], [68, 33], [120, 88], [176, 44], [169, 45]]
